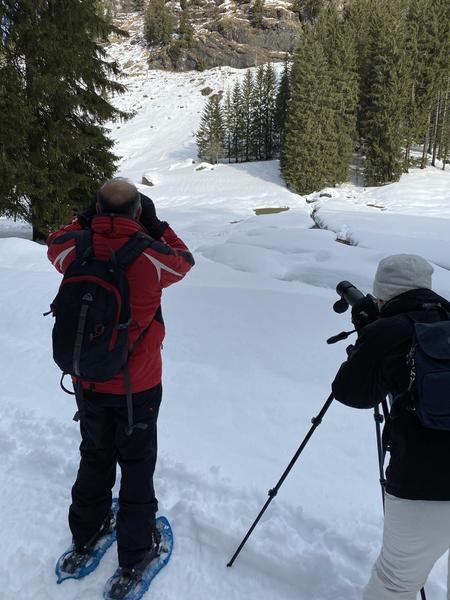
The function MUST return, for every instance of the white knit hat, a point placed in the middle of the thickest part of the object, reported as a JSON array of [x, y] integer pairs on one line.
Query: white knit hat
[[399, 273]]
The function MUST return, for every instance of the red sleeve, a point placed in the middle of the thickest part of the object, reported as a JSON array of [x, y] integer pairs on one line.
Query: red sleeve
[[61, 246], [170, 257]]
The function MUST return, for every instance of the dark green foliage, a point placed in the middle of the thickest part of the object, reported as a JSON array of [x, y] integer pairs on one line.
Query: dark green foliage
[[310, 146], [384, 99], [159, 23], [175, 51], [185, 29], [234, 124], [338, 41], [257, 13], [210, 136], [403, 67], [54, 83], [248, 93], [263, 101], [281, 105], [373, 75]]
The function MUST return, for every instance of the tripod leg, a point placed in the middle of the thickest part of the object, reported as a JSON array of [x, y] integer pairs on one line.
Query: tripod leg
[[316, 421], [378, 421]]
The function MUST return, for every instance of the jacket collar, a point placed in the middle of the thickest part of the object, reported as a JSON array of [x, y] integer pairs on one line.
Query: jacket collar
[[115, 225], [413, 300]]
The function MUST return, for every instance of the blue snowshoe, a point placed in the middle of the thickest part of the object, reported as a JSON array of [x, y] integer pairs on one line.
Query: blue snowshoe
[[132, 584], [77, 563]]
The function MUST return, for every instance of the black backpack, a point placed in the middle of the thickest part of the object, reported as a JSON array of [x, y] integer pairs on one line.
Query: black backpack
[[428, 392], [92, 315]]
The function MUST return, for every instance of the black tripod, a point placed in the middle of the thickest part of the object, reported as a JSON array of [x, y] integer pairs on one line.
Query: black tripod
[[316, 421]]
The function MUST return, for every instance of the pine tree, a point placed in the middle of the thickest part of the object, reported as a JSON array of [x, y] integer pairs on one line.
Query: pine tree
[[210, 136], [185, 29], [357, 14], [60, 86], [339, 44], [270, 89], [159, 23], [257, 13], [228, 125], [309, 140], [257, 132], [281, 105], [15, 118], [385, 103], [248, 92], [237, 123]]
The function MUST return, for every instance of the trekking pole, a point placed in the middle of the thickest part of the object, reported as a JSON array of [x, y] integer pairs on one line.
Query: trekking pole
[[316, 421], [379, 418]]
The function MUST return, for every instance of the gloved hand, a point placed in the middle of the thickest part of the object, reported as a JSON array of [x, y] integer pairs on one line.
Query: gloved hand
[[149, 220], [85, 217], [364, 312]]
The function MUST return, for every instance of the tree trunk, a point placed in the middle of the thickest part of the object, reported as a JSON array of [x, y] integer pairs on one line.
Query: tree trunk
[[444, 134], [423, 164], [434, 139], [407, 157]]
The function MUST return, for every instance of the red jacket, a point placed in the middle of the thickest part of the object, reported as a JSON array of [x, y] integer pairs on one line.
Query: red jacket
[[148, 275]]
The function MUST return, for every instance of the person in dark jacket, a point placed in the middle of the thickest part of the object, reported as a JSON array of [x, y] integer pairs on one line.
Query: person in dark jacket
[[118, 214], [417, 519]]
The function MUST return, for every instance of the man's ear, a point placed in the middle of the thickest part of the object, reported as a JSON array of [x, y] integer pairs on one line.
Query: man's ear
[[138, 213]]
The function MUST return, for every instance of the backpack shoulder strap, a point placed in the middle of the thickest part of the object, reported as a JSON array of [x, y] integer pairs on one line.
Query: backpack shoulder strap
[[428, 307], [132, 249], [83, 243]]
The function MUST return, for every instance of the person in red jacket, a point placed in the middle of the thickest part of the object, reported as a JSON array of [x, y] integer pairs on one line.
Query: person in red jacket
[[120, 212]]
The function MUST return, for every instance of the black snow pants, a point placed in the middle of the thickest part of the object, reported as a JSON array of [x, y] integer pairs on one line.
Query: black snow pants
[[104, 444]]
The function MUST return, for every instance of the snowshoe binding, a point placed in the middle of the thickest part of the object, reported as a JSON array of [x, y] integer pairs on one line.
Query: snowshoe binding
[[79, 562], [133, 583]]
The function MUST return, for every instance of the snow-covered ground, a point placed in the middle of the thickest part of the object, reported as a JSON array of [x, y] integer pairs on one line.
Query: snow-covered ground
[[246, 367]]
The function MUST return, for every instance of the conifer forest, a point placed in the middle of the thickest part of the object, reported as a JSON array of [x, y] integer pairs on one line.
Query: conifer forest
[[368, 80]]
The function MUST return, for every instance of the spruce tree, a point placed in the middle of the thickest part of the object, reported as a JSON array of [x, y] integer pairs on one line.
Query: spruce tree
[[248, 92], [159, 23], [237, 124], [385, 102], [339, 44], [210, 136], [61, 83], [270, 90], [257, 132], [257, 13], [228, 125], [281, 105], [309, 141], [185, 28]]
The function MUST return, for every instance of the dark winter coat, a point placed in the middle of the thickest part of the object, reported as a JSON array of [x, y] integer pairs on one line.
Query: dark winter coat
[[419, 467]]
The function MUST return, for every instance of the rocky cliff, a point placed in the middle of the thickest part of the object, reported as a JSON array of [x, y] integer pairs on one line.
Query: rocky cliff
[[223, 35]]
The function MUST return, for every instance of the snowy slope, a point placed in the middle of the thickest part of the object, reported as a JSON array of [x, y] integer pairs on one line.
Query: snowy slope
[[246, 367]]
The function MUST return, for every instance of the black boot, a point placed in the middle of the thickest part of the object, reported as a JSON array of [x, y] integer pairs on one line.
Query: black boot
[[81, 554], [130, 577]]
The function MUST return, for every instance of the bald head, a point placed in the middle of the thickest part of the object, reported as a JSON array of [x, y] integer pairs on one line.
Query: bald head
[[119, 196]]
